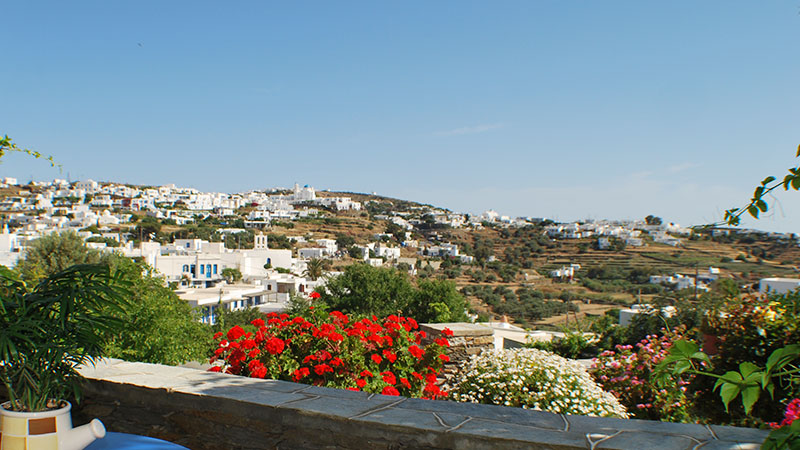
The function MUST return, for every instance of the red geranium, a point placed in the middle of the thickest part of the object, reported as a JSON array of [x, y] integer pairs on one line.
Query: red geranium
[[275, 346], [389, 390]]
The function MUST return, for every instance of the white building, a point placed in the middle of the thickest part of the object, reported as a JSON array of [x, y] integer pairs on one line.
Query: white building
[[778, 285]]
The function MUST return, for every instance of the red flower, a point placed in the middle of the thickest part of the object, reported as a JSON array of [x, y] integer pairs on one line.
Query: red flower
[[447, 331], [215, 369], [376, 358], [404, 382], [217, 335], [352, 389], [275, 346], [430, 378], [258, 323], [300, 373], [314, 295], [361, 382], [390, 356], [416, 351], [442, 341], [336, 362], [389, 390], [433, 391], [366, 373], [235, 333], [417, 375], [389, 377], [322, 369], [444, 358], [309, 358], [257, 370]]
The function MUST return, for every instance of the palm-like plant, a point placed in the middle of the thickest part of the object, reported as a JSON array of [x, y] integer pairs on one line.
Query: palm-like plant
[[48, 331], [315, 268]]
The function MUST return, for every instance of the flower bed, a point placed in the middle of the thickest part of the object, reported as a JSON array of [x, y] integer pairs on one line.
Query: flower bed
[[627, 373], [535, 379], [371, 355]]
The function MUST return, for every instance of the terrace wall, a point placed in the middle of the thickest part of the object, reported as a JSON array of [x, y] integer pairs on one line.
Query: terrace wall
[[204, 410]]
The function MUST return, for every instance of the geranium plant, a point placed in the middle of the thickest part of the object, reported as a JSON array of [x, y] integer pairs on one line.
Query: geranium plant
[[371, 355]]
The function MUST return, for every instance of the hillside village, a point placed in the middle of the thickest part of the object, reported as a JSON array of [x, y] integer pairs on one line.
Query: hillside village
[[195, 240]]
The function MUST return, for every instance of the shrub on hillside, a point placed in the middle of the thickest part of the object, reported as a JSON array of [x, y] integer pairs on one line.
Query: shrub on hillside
[[534, 379]]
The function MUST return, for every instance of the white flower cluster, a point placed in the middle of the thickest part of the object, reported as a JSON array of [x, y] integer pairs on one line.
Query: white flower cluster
[[534, 379]]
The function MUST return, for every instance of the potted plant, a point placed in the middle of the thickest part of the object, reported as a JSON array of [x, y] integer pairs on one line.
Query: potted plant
[[46, 332]]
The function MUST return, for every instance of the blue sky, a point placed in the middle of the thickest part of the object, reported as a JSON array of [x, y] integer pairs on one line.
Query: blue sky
[[566, 110]]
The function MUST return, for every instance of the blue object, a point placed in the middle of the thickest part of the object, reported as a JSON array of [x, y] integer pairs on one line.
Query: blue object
[[124, 441]]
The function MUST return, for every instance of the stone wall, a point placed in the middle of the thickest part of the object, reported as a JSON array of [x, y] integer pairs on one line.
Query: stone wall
[[468, 339], [205, 411]]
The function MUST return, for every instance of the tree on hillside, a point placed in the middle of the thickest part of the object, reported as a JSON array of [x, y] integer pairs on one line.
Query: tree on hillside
[[315, 268], [438, 301], [147, 228], [366, 290], [652, 220], [53, 253]]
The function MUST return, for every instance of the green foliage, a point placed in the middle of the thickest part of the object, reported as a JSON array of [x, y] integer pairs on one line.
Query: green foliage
[[279, 241], [652, 220], [159, 327], [7, 145], [345, 241], [48, 331], [315, 268], [54, 253], [364, 290], [757, 204], [575, 344], [437, 301], [241, 317], [104, 240], [231, 274]]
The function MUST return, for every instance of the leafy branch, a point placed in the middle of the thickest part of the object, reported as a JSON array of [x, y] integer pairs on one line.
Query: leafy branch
[[749, 381], [757, 204], [6, 145]]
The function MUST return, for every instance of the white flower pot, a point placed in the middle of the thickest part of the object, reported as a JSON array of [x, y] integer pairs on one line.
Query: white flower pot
[[45, 430]]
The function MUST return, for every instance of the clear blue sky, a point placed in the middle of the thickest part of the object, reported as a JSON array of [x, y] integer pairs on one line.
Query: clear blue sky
[[566, 110]]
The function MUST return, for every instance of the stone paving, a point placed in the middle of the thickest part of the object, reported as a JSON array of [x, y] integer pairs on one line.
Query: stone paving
[[345, 419]]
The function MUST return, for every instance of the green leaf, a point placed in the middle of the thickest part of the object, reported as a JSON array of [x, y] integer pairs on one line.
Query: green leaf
[[762, 205], [753, 211], [787, 181], [750, 395], [728, 392], [767, 180], [796, 182], [700, 356]]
